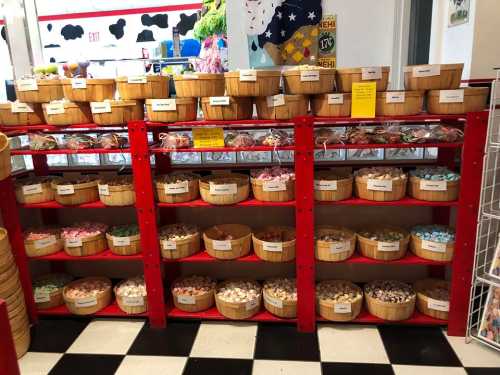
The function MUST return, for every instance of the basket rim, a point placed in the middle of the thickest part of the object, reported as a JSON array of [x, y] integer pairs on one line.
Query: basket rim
[[119, 103], [135, 237], [409, 68], [178, 101], [150, 78], [378, 227], [414, 237], [337, 228], [285, 303], [468, 91], [288, 97], [90, 278], [390, 304], [67, 105], [422, 283], [46, 82], [4, 142], [201, 76], [346, 95], [243, 178], [290, 230], [340, 71], [91, 81], [240, 100], [261, 73], [418, 179], [80, 186], [297, 72], [245, 228], [408, 94]]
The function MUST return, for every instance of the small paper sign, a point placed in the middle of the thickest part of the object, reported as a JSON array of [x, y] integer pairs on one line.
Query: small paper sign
[[18, 107], [371, 73], [309, 75], [133, 301], [248, 75], [276, 100], [186, 300], [364, 95], [223, 189], [168, 245], [250, 305], [387, 246], [137, 79], [121, 241], [273, 301], [342, 308], [335, 98], [379, 185], [190, 76], [45, 242], [86, 302], [274, 186], [426, 71], [436, 247], [435, 304], [103, 189], [339, 247], [272, 246], [178, 188], [41, 297], [325, 185], [73, 242], [79, 83], [65, 189], [163, 105], [221, 245], [395, 97], [54, 108], [32, 189], [433, 185], [27, 84], [451, 96], [100, 107], [208, 137], [219, 100]]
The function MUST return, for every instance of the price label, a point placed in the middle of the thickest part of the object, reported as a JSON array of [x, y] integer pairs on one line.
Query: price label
[[208, 137], [168, 245], [86, 302], [339, 247], [395, 97], [79, 83], [272, 246], [103, 189], [451, 96], [32, 189], [54, 108], [371, 73], [73, 242], [276, 100], [65, 189], [45, 242], [27, 84], [325, 185], [137, 79], [250, 305], [342, 308], [364, 99], [387, 246], [186, 300], [18, 107], [120, 241], [133, 301], [435, 304], [433, 185], [274, 186], [436, 247], [248, 75], [163, 105], [178, 188], [221, 245], [219, 100], [41, 297], [190, 76], [273, 301], [335, 98], [426, 71], [309, 75], [379, 185], [223, 189], [100, 107]]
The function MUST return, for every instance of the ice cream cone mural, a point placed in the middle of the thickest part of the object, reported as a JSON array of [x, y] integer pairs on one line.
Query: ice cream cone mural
[[282, 32]]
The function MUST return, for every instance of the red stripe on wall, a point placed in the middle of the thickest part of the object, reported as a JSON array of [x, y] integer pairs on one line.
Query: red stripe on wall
[[120, 12]]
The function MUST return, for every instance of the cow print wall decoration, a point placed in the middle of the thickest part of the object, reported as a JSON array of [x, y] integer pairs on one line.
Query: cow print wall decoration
[[117, 28], [145, 36], [160, 20], [4, 37], [49, 27], [71, 32], [186, 23]]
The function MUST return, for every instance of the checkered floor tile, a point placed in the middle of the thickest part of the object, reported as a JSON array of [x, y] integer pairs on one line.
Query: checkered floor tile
[[131, 347]]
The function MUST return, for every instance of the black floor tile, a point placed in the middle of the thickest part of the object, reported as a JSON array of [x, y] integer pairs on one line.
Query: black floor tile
[[175, 340], [483, 370], [213, 366], [86, 364], [55, 335], [356, 368], [424, 346], [284, 342]]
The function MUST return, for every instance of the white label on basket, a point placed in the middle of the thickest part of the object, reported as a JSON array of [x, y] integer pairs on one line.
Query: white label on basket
[[221, 245], [436, 247], [79, 83], [276, 100], [395, 97], [163, 105], [100, 107], [309, 75], [18, 107], [133, 301], [250, 305], [273, 301], [86, 302], [451, 96], [335, 98], [388, 246], [41, 297], [137, 79], [342, 308], [32, 189], [223, 189], [103, 189], [272, 246], [325, 185], [248, 75], [435, 304], [65, 189], [168, 245], [339, 247], [54, 108], [27, 84], [433, 185], [121, 241], [44, 242], [274, 186], [190, 76], [73, 242], [379, 185], [374, 72], [426, 71], [219, 100], [178, 188], [186, 300]]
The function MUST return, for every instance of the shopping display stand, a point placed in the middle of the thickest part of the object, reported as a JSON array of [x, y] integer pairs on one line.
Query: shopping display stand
[[148, 211]]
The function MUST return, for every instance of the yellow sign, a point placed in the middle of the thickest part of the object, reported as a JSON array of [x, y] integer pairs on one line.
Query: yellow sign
[[363, 99], [208, 137]]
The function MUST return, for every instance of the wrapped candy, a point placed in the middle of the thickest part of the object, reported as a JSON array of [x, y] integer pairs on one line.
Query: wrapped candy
[[326, 136], [133, 287], [79, 141], [275, 173], [431, 134], [239, 291], [194, 286], [173, 141], [434, 233], [239, 139], [276, 138], [381, 173], [87, 288], [40, 141], [111, 141], [337, 291], [177, 232], [392, 291], [282, 289], [435, 174], [83, 230]]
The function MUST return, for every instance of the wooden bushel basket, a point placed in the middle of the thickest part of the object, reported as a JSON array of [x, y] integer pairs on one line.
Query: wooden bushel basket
[[475, 100], [260, 194], [10, 285], [240, 245], [97, 90], [46, 194], [267, 83], [239, 108], [119, 195], [6, 261], [74, 113], [156, 87], [275, 251], [328, 311], [4, 241], [186, 109], [90, 246], [198, 85], [343, 186], [133, 248], [416, 247], [22, 342], [242, 188], [448, 78], [200, 303], [294, 84], [450, 194], [346, 77], [398, 190], [435, 308], [321, 108], [388, 310], [279, 307], [47, 91], [5, 163], [183, 248], [372, 248], [37, 249], [56, 297], [294, 105], [192, 193], [83, 193], [102, 300], [122, 111], [9, 118], [237, 311], [334, 251], [413, 104], [131, 308]]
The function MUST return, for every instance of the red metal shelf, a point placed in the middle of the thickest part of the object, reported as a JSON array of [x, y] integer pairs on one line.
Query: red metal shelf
[[247, 203], [54, 204], [389, 145], [409, 259], [61, 129], [204, 257], [71, 152], [417, 319], [407, 201], [157, 150], [111, 310], [422, 118], [254, 123], [106, 255]]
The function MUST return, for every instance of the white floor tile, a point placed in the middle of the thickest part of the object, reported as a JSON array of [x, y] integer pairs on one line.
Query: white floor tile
[[225, 340], [351, 343], [107, 336], [474, 354], [138, 364], [261, 367], [427, 370], [34, 363]]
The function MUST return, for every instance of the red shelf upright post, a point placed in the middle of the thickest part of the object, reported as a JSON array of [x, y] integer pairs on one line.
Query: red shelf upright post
[[469, 200], [146, 217], [304, 219]]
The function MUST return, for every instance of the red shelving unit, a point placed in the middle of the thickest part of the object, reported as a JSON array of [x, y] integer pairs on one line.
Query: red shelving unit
[[106, 255], [111, 310], [247, 203], [203, 257]]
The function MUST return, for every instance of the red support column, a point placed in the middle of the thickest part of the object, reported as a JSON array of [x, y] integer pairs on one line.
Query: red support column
[[463, 259], [146, 217], [304, 219], [8, 359]]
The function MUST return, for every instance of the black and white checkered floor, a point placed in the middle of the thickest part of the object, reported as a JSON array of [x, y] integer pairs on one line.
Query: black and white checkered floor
[[107, 346]]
